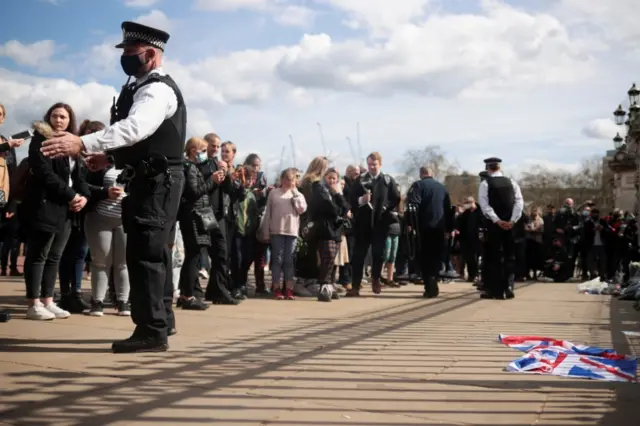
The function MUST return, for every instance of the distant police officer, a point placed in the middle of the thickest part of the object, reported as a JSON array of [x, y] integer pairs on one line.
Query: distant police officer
[[146, 139], [435, 222], [501, 203]]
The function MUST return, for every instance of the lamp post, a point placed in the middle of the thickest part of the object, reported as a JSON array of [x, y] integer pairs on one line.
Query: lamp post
[[630, 144]]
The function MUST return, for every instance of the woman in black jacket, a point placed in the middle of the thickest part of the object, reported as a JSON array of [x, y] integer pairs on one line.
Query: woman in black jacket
[[53, 192], [194, 209], [328, 211]]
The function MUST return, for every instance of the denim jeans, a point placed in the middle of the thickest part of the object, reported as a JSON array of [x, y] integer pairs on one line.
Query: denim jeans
[[72, 262], [43, 258]]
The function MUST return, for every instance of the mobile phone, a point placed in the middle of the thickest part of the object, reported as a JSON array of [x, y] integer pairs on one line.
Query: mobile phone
[[27, 134]]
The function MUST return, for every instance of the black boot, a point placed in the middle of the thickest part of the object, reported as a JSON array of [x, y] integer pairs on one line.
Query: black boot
[[139, 344], [431, 289]]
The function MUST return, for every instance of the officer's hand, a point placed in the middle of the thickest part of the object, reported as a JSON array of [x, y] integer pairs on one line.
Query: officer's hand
[[366, 198], [96, 162], [115, 192], [9, 215], [63, 144]]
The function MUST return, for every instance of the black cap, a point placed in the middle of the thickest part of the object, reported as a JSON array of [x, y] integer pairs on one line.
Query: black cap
[[493, 160], [134, 33]]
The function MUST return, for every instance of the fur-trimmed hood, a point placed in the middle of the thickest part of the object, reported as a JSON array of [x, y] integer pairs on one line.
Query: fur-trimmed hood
[[43, 128]]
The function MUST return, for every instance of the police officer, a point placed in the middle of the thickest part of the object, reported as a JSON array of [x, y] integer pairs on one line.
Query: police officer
[[435, 222], [502, 204], [146, 138]]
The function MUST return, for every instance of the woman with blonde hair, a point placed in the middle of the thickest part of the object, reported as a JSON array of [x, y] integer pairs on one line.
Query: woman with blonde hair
[[307, 262]]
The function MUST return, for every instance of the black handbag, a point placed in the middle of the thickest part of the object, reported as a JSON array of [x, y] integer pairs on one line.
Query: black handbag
[[205, 219]]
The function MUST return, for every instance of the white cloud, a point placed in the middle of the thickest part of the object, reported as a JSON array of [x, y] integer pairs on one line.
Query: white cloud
[[140, 3], [380, 16], [443, 56], [228, 5], [602, 128], [36, 54], [156, 19], [295, 16]]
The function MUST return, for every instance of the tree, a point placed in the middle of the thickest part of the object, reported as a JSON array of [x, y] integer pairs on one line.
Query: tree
[[430, 156], [541, 186]]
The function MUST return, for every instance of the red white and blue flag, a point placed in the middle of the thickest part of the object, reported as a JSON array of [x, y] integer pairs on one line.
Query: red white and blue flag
[[546, 355]]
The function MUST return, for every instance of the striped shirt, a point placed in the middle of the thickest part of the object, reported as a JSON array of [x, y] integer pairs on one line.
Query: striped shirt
[[109, 207]]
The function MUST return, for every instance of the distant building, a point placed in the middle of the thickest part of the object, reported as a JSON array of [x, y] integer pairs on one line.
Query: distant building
[[462, 186]]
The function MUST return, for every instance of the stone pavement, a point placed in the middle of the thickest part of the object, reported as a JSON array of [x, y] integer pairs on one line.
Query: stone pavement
[[394, 359]]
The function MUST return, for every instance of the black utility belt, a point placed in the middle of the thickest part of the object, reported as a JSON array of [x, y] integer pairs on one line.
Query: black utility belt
[[149, 169]]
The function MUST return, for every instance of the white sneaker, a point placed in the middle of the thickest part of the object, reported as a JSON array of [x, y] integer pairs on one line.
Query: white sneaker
[[39, 313], [55, 310], [203, 274]]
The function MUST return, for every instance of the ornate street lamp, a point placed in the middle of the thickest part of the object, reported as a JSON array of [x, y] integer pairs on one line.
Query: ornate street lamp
[[634, 95], [619, 115], [617, 141]]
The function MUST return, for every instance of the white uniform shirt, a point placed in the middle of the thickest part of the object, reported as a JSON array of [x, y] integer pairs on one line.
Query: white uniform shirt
[[487, 210], [152, 104]]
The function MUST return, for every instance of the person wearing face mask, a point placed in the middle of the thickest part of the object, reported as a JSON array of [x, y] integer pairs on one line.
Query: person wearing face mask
[[193, 214], [146, 139]]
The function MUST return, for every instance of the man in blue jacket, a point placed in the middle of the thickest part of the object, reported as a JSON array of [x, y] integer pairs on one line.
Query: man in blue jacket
[[431, 200]]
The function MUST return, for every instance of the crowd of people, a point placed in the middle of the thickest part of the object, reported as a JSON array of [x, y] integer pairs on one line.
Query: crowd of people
[[133, 197]]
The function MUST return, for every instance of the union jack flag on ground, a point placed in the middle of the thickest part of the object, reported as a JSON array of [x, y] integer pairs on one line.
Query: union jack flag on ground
[[546, 355]]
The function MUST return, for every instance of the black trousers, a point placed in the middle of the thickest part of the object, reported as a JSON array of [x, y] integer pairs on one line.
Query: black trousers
[[219, 282], [499, 260], [149, 215], [470, 253], [432, 250], [374, 239]]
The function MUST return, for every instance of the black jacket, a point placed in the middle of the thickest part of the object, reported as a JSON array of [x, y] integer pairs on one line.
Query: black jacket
[[47, 197], [195, 197], [468, 225], [385, 197], [434, 204], [327, 211]]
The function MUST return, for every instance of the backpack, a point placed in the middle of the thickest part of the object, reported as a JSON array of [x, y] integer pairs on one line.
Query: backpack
[[20, 179]]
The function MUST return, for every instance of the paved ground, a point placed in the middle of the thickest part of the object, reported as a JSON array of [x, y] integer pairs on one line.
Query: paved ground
[[394, 359]]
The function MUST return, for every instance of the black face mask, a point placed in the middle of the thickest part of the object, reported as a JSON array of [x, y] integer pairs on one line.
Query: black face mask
[[131, 64]]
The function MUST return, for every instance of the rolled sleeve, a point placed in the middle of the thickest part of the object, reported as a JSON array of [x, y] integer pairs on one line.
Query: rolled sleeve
[[152, 104]]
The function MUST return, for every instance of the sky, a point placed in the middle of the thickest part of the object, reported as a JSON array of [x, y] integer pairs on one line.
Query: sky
[[534, 82]]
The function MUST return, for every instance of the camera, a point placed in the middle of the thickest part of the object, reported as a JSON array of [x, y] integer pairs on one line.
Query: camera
[[367, 182]]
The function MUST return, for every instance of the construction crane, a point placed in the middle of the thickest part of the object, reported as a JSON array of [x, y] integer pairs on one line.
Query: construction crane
[[324, 145], [359, 144], [353, 151], [293, 151], [284, 148]]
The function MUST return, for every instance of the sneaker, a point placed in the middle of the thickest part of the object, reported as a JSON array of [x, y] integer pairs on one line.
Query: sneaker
[[277, 294], [55, 310], [289, 294], [38, 312], [124, 309], [97, 308], [326, 293]]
